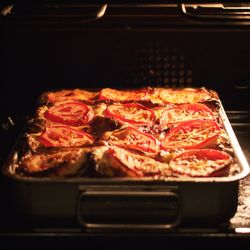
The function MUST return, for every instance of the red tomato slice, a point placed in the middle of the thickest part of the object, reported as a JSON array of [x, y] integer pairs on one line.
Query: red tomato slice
[[122, 95], [185, 95], [70, 113], [130, 113], [185, 112], [192, 134], [63, 136], [200, 162], [133, 139]]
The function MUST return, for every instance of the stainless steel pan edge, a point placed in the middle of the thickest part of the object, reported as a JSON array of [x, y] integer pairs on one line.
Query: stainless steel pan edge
[[242, 161]]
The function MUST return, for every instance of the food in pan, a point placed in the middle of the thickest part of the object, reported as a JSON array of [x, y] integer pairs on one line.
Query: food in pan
[[199, 162], [185, 112], [64, 136], [133, 139], [70, 113], [186, 95], [60, 162], [116, 161], [69, 95], [192, 134], [108, 94], [131, 113], [149, 132]]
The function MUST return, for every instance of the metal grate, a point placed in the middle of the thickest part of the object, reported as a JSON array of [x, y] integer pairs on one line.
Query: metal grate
[[162, 66]]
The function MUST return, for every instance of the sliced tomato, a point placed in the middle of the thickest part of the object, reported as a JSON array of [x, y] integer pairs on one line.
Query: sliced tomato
[[70, 113], [200, 162], [192, 134], [124, 163], [122, 95], [130, 113], [70, 95], [63, 136], [184, 95], [185, 112], [133, 139]]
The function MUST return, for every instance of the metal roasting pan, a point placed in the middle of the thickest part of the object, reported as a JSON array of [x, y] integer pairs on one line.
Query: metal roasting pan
[[125, 203]]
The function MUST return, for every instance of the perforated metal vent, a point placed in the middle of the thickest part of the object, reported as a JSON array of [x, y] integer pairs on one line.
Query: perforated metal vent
[[156, 64]]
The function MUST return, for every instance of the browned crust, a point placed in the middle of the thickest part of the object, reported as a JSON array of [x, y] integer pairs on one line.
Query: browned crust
[[55, 162], [68, 94], [101, 128]]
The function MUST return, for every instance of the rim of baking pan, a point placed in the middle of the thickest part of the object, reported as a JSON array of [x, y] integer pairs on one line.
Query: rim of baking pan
[[238, 153]]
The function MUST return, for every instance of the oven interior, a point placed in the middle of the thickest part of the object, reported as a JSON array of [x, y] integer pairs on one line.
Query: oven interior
[[50, 47], [56, 45]]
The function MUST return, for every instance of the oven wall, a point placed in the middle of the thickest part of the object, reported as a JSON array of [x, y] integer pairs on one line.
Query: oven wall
[[118, 51], [40, 61]]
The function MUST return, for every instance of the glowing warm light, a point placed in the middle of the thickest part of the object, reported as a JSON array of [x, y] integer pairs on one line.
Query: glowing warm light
[[243, 230]]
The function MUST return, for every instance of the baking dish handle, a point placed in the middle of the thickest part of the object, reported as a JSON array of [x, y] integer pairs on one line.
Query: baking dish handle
[[129, 209]]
